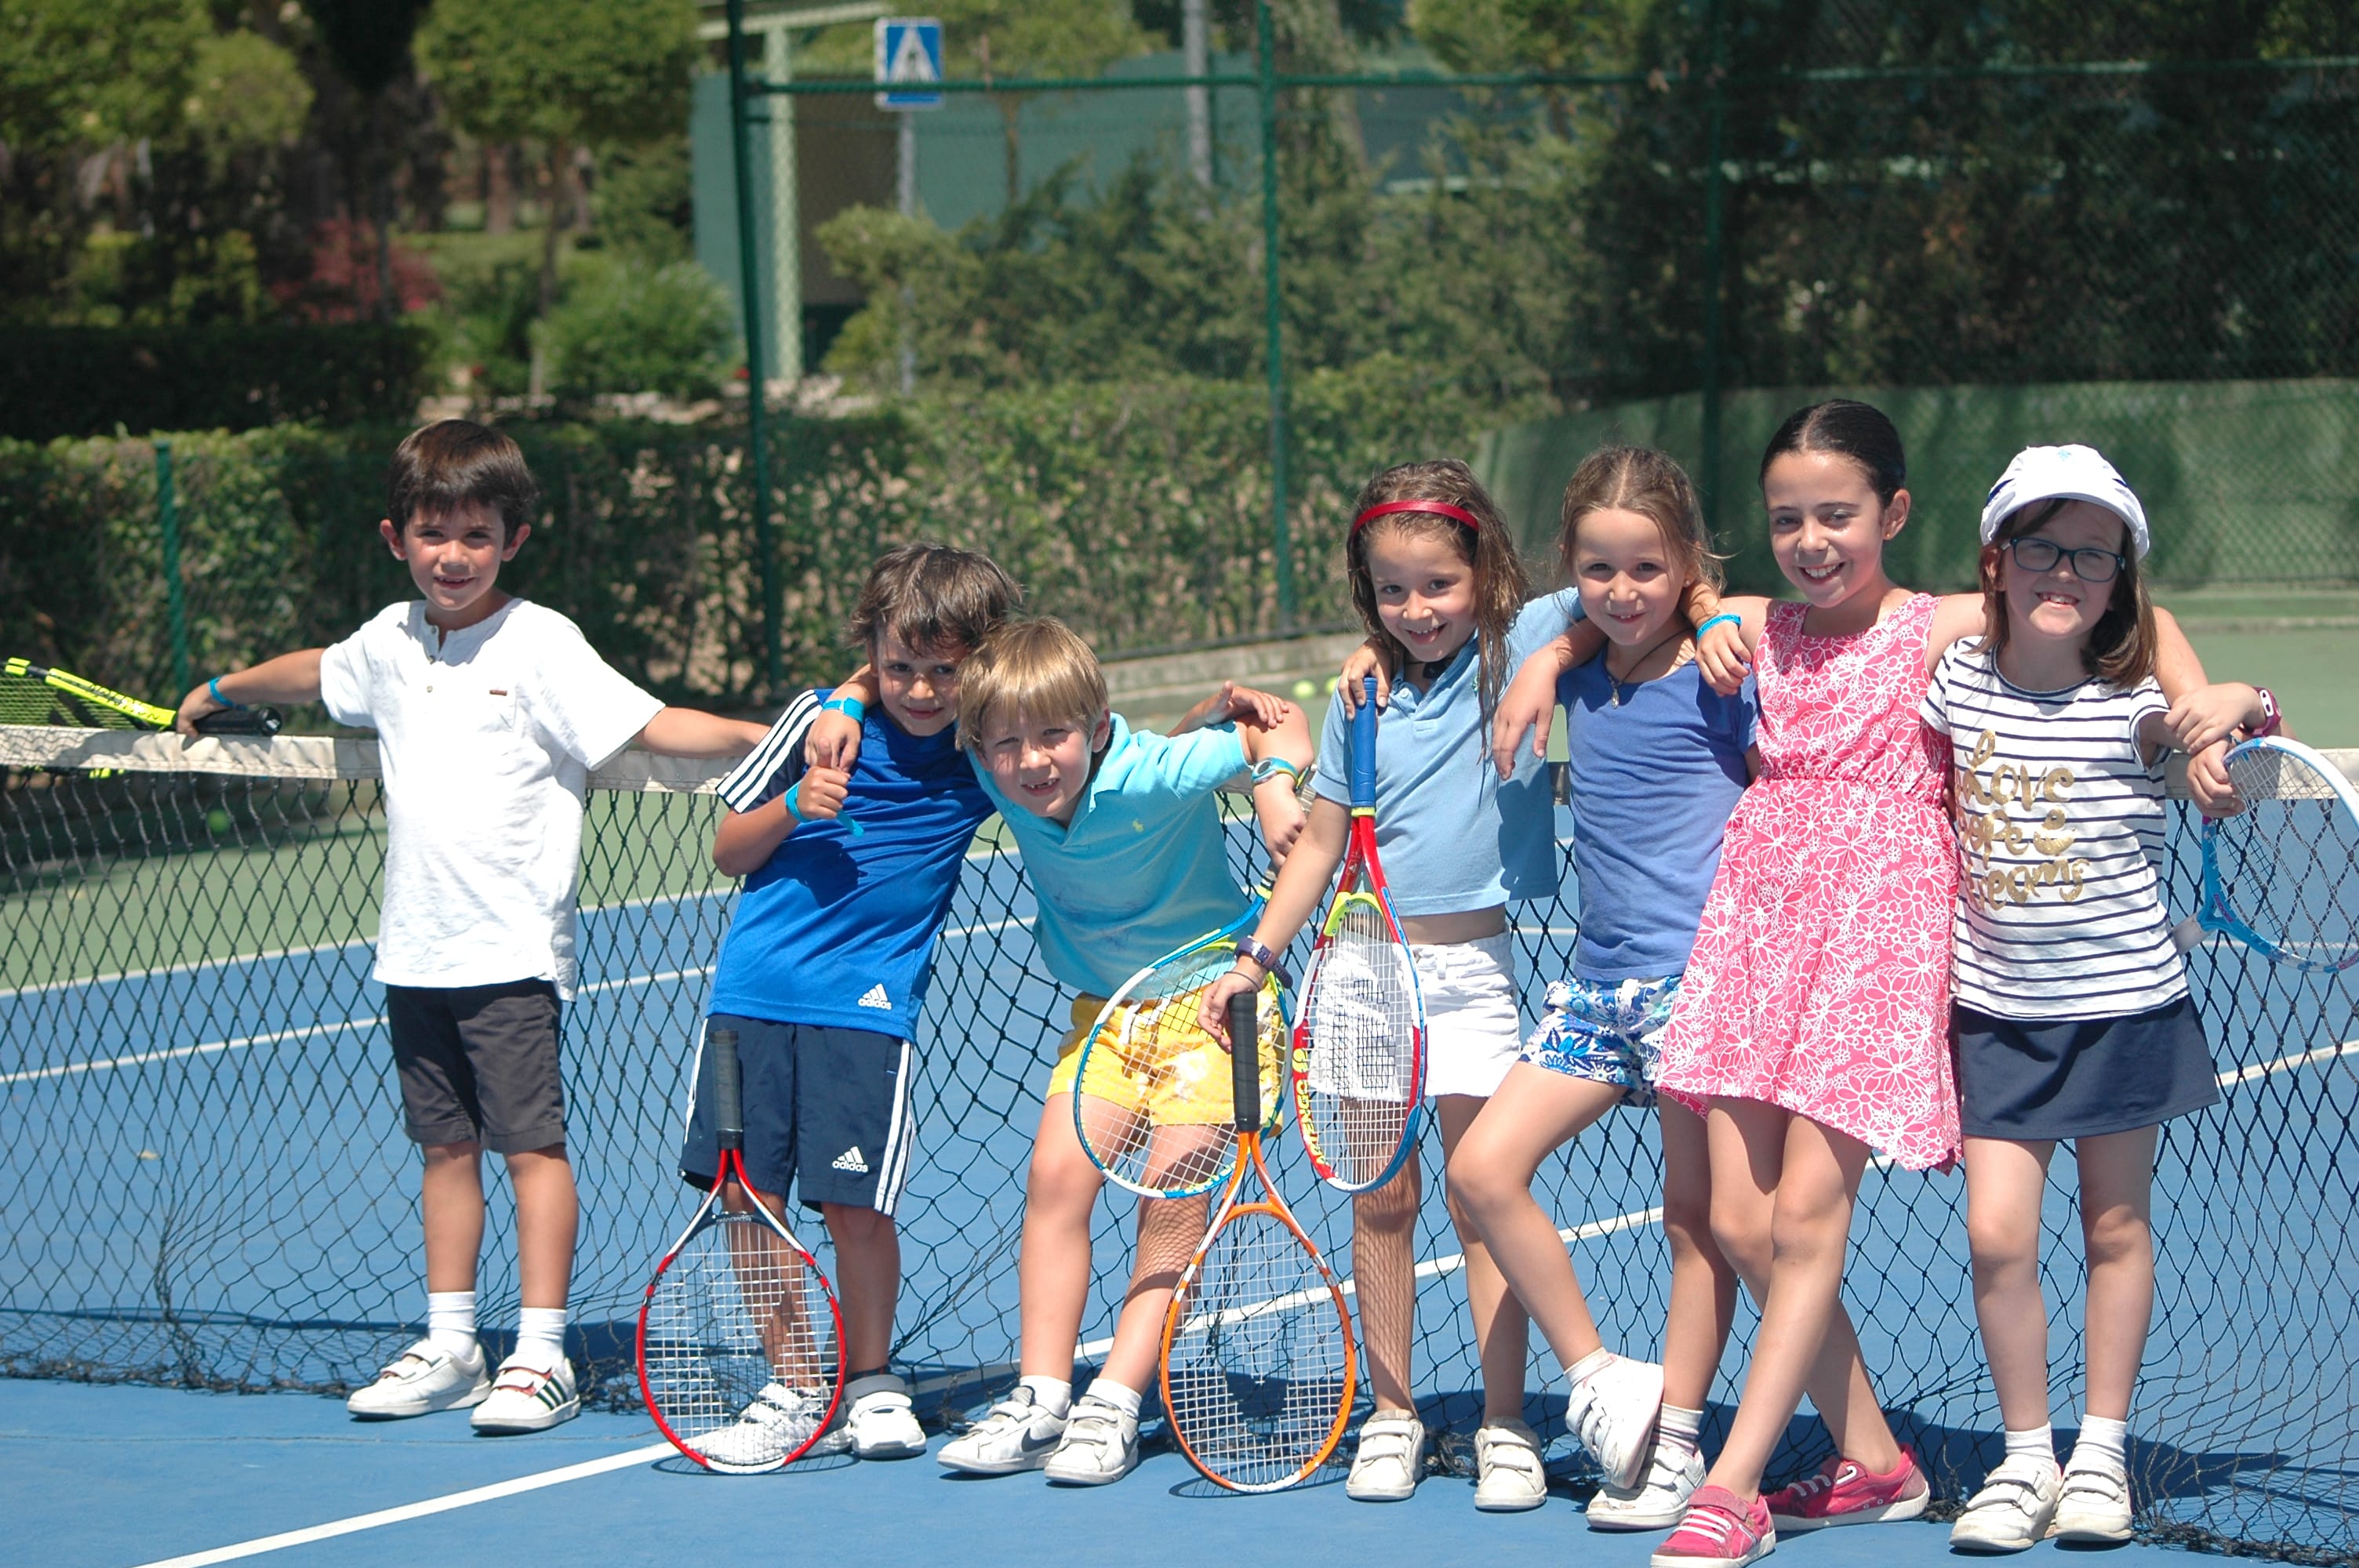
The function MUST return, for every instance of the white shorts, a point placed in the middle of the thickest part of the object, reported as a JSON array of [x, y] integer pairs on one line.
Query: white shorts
[[1472, 1031]]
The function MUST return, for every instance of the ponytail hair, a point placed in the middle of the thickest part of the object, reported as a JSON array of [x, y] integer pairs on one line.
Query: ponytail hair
[[1500, 585]]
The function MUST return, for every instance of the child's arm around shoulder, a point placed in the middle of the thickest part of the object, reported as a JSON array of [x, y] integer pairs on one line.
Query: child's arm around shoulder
[[1727, 631], [834, 739], [693, 733], [1275, 732], [768, 798]]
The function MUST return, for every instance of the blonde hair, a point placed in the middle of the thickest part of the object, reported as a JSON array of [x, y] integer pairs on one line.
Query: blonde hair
[[1038, 668], [1646, 481], [1500, 585]]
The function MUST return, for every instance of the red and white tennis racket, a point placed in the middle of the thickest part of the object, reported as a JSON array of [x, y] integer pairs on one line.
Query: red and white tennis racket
[[740, 1337], [1359, 1037]]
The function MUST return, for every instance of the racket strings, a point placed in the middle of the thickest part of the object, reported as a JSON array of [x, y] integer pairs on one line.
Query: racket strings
[[2285, 863], [1364, 1025], [740, 1337], [1153, 1098], [1260, 1366]]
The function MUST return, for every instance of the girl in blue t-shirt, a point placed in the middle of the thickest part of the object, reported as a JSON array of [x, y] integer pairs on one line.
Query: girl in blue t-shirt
[[1434, 575], [1657, 760]]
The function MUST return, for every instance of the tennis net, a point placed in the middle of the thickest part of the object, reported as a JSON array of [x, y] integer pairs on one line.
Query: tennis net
[[200, 1143]]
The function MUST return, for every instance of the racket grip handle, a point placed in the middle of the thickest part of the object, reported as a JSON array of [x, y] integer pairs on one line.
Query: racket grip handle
[[728, 1109], [1244, 1060], [1364, 746]]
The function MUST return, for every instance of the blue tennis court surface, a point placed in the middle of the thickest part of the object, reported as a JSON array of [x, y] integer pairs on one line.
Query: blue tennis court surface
[[114, 1477], [201, 1139]]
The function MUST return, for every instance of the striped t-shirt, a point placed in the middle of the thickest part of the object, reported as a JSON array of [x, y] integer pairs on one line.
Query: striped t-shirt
[[2060, 825]]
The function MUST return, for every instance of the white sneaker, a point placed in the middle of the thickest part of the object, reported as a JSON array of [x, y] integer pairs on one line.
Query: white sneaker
[[879, 1418], [1390, 1459], [1658, 1501], [1614, 1414], [779, 1421], [421, 1379], [1101, 1444], [2095, 1504], [1017, 1434], [2012, 1510], [1507, 1473], [525, 1398]]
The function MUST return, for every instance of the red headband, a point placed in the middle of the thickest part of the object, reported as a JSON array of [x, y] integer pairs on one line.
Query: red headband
[[1439, 509]]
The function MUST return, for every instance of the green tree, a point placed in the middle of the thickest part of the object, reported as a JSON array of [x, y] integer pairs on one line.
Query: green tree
[[368, 42], [84, 73], [1035, 38], [563, 75]]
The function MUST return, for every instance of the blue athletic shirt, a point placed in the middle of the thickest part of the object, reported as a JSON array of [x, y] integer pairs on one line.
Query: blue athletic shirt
[[1452, 836], [1143, 866], [839, 929], [1653, 778]]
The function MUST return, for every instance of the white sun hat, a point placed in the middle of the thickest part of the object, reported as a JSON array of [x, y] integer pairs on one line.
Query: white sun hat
[[2064, 473]]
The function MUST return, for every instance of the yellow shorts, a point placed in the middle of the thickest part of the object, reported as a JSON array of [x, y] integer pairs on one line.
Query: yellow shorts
[[1157, 1060]]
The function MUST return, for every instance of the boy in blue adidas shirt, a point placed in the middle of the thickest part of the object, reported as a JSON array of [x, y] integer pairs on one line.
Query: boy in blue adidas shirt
[[849, 872]]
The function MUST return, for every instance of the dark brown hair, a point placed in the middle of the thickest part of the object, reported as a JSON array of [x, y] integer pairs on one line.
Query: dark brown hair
[[1847, 429], [1500, 586], [455, 463], [2120, 648], [1644, 480], [932, 599]]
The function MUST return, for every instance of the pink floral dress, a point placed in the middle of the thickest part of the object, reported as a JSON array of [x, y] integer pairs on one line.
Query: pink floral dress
[[1820, 977]]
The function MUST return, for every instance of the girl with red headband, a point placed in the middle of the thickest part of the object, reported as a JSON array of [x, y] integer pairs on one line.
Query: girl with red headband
[[1435, 577]]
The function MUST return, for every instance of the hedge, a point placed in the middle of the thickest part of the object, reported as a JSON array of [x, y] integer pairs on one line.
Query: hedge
[[1140, 514], [87, 381]]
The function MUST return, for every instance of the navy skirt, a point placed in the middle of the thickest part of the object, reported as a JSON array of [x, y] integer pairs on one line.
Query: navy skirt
[[2079, 1077]]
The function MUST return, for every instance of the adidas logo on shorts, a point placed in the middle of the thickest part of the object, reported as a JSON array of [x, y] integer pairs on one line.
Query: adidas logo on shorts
[[850, 1160], [875, 997]]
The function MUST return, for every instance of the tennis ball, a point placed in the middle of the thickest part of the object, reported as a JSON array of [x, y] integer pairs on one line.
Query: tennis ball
[[217, 820], [1304, 689], [1330, 683]]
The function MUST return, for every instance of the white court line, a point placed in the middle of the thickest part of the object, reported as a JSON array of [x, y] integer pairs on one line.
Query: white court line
[[214, 1047], [2260, 1070], [430, 1506]]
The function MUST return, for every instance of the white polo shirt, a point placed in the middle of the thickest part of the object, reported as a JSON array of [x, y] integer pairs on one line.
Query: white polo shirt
[[486, 737]]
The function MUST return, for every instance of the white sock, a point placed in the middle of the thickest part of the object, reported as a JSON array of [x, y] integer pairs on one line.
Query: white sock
[[1680, 1432], [540, 1336], [1122, 1398], [1589, 1365], [1054, 1395], [2104, 1443], [450, 1320], [2032, 1442]]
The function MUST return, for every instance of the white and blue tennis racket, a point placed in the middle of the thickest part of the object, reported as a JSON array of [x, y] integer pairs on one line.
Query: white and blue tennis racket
[[2279, 876]]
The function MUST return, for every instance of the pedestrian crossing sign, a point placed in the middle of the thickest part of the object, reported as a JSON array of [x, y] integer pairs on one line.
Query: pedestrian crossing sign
[[908, 54]]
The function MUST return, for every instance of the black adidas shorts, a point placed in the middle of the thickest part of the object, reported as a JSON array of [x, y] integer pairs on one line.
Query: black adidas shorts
[[828, 1111]]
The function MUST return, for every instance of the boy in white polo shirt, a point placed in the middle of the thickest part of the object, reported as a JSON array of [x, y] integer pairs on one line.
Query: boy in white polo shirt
[[490, 712]]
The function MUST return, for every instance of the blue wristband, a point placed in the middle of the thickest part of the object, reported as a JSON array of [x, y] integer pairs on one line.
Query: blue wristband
[[851, 707], [213, 685], [1723, 615], [800, 820]]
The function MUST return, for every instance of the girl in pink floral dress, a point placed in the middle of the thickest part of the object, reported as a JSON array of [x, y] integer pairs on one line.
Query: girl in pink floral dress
[[1812, 1026]]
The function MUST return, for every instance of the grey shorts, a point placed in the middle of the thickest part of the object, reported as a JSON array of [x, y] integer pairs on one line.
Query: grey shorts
[[828, 1112], [478, 1063]]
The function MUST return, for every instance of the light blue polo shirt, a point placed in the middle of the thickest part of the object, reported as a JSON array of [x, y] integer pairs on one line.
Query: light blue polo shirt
[[1452, 836], [1142, 867]]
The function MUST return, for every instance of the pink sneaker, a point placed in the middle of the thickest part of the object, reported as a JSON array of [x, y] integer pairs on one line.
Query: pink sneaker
[[1846, 1492], [1718, 1532]]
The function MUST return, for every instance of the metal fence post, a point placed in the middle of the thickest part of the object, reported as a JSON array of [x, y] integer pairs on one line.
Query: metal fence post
[[1708, 470], [1281, 549], [167, 524], [749, 291]]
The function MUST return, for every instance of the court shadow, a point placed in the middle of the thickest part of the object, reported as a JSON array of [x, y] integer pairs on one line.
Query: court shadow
[[1198, 1485], [681, 1465]]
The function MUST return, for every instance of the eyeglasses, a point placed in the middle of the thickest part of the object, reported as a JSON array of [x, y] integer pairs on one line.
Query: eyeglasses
[[2036, 555]]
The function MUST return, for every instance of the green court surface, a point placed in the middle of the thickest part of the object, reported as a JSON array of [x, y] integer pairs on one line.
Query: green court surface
[[2301, 643]]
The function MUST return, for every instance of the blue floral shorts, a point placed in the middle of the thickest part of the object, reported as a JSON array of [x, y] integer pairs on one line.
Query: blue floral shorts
[[1605, 1032]]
